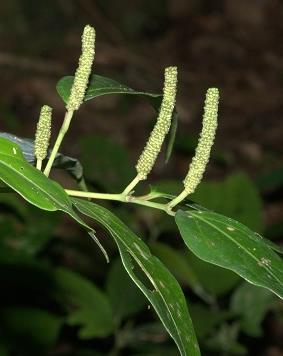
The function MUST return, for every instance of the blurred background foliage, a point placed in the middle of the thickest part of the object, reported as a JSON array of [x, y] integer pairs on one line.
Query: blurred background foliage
[[58, 295]]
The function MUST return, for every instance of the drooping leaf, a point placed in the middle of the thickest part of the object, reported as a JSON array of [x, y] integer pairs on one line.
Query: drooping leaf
[[227, 243], [89, 307], [71, 165], [166, 295]]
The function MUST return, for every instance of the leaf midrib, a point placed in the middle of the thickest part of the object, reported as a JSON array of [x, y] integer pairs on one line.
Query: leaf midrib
[[238, 244]]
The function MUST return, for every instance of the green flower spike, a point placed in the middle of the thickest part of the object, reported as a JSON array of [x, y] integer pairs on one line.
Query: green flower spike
[[201, 158], [84, 69], [42, 136], [78, 89], [162, 126]]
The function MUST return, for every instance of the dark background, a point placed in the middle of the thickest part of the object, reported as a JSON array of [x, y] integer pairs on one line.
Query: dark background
[[233, 45]]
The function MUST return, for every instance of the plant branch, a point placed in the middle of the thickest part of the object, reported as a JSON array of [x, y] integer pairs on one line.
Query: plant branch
[[120, 197], [131, 186]]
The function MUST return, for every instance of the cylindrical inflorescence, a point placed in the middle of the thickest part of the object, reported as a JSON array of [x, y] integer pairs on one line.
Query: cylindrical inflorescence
[[84, 69], [153, 146], [209, 126], [43, 133]]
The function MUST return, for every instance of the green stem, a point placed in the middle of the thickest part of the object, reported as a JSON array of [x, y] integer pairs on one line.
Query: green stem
[[119, 197], [151, 204], [39, 164], [62, 132], [131, 186], [176, 200], [102, 196]]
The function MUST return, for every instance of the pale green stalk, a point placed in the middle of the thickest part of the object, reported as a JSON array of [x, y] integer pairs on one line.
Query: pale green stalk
[[62, 132], [119, 197]]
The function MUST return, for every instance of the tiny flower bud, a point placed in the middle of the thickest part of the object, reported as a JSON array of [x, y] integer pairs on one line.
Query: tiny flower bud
[[205, 143], [43, 133], [162, 126], [84, 69]]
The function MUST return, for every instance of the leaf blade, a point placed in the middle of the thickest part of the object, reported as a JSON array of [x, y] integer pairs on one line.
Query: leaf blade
[[234, 247], [98, 86], [172, 311]]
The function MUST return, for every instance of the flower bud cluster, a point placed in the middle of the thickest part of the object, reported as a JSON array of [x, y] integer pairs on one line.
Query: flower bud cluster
[[84, 69], [43, 133], [162, 126], [201, 158]]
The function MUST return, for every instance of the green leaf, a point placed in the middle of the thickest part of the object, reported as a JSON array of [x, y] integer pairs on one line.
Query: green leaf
[[28, 181], [69, 164], [125, 297], [88, 306], [39, 333], [251, 304], [99, 85], [227, 243], [165, 294]]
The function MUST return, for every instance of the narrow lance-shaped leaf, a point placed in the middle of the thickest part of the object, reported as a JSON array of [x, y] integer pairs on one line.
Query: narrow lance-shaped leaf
[[166, 296], [227, 243]]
